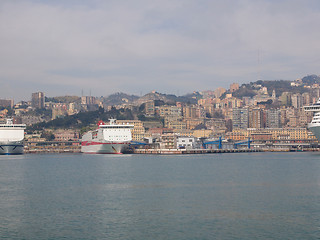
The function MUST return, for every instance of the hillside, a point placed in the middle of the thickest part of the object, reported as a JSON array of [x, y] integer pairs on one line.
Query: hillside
[[168, 98], [311, 79], [118, 99], [63, 99], [280, 86], [83, 119]]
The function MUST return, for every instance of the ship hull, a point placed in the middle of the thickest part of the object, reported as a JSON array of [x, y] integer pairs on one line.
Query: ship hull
[[103, 148], [11, 148]]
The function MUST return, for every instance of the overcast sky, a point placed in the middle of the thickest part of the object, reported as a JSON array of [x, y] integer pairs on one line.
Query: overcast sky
[[135, 46]]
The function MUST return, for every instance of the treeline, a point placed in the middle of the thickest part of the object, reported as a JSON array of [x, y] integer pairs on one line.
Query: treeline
[[63, 99], [280, 86], [84, 119]]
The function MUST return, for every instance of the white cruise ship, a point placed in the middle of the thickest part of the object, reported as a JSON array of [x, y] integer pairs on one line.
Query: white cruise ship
[[11, 138], [314, 126], [107, 138]]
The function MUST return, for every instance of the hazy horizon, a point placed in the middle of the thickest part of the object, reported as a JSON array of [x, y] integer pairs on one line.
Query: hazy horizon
[[174, 47]]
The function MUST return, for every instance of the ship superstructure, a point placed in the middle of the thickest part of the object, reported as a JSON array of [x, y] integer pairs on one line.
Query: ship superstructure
[[314, 126], [11, 138], [107, 138]]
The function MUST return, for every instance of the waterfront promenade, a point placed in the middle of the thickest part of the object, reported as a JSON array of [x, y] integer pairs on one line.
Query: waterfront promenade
[[76, 149]]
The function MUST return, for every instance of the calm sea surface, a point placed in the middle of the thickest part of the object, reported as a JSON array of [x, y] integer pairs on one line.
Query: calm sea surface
[[211, 196]]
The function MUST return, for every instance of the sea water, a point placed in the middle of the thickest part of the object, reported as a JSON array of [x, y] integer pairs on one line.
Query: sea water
[[210, 196]]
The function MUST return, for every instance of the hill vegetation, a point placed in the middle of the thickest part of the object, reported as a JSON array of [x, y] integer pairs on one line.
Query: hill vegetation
[[311, 79], [83, 119], [280, 86], [63, 99], [118, 99]]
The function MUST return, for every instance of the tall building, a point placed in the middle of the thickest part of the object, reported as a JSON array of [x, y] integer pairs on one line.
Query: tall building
[[274, 96], [296, 100], [256, 119], [285, 98], [150, 108], [306, 99], [273, 118], [234, 87], [6, 103], [219, 91], [240, 118], [190, 112], [37, 100], [88, 100]]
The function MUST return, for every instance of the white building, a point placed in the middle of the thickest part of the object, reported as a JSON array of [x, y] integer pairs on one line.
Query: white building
[[186, 142]]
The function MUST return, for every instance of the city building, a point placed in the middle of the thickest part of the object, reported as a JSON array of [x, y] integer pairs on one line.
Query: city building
[[219, 91], [138, 131], [150, 108], [306, 99], [273, 118], [65, 135], [256, 118], [6, 103], [184, 142], [285, 98], [190, 112], [176, 124], [240, 118], [168, 141], [37, 100], [234, 87], [296, 100], [88, 100], [172, 111], [192, 123], [288, 134], [203, 133]]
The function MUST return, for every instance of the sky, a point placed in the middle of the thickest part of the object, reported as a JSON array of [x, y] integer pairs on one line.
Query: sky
[[74, 47]]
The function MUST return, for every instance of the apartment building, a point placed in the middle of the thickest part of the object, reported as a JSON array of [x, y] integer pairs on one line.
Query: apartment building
[[273, 118], [240, 118], [37, 100], [138, 131]]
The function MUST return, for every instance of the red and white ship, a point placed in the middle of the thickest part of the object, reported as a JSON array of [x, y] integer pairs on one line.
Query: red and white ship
[[107, 138]]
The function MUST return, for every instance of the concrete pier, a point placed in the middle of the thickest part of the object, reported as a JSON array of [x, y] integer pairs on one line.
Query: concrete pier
[[192, 151]]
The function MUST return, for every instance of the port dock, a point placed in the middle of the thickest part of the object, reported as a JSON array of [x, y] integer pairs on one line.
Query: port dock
[[192, 151]]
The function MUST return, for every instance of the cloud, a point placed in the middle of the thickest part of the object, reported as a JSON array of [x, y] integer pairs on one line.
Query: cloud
[[61, 47]]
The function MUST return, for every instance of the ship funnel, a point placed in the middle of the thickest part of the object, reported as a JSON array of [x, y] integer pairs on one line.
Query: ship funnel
[[10, 121], [112, 121], [100, 123]]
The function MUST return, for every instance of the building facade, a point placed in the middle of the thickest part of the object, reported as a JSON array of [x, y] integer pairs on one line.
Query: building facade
[[37, 100]]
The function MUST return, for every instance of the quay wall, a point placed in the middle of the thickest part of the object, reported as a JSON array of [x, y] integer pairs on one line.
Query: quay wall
[[76, 149], [192, 151]]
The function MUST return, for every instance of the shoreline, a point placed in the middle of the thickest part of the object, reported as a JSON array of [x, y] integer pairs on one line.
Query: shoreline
[[170, 151]]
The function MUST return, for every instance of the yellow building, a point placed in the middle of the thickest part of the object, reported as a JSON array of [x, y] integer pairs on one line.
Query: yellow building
[[183, 132], [237, 135], [176, 125], [202, 133], [192, 123], [231, 103], [190, 112], [3, 113], [168, 141], [150, 108], [138, 131], [166, 110], [277, 133]]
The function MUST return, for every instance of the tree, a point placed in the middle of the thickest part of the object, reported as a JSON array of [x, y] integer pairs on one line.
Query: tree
[[48, 135]]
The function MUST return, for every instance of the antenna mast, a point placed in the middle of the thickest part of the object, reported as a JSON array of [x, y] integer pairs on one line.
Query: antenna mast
[[259, 66]]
